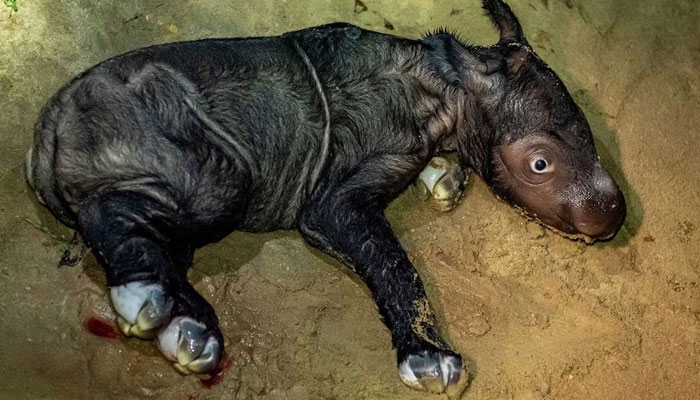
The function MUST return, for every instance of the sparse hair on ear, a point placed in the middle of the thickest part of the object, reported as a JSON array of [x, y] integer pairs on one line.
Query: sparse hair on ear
[[506, 21], [457, 65]]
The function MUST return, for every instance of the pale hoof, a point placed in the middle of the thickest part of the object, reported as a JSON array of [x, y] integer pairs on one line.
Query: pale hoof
[[434, 372], [442, 182], [142, 307], [187, 343]]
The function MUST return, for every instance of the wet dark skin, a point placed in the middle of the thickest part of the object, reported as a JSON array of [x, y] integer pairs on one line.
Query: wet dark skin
[[535, 179], [544, 172], [155, 153]]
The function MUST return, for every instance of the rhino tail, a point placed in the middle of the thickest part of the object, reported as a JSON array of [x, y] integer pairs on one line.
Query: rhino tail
[[40, 166]]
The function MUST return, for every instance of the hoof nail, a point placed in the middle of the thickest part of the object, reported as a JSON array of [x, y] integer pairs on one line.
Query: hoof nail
[[434, 372], [208, 359], [443, 182], [142, 308], [186, 342]]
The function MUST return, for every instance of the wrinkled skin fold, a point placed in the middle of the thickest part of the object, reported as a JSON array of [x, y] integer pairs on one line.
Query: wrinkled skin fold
[[157, 152]]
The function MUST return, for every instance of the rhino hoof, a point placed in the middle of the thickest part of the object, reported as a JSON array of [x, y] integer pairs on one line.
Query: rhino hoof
[[143, 308], [442, 182], [190, 346], [435, 372]]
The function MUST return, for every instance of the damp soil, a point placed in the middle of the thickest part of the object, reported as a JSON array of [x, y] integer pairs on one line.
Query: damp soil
[[537, 316]]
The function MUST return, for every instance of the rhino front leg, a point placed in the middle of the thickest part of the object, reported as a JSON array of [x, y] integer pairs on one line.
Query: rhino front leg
[[441, 182], [132, 237], [348, 223]]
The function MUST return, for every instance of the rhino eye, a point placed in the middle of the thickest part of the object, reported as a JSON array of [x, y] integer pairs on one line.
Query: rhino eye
[[539, 165]]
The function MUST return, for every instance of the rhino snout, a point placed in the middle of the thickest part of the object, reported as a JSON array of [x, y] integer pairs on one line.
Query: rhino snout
[[601, 215]]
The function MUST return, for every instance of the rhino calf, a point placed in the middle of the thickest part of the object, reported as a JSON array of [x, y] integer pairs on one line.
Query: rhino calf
[[157, 152]]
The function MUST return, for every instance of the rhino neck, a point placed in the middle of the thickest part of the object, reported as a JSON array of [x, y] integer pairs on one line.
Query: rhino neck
[[475, 138], [455, 115]]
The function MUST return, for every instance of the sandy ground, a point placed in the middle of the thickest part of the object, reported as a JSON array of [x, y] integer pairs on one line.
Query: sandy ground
[[536, 315]]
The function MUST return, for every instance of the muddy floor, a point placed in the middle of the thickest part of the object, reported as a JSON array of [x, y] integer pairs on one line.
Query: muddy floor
[[536, 315]]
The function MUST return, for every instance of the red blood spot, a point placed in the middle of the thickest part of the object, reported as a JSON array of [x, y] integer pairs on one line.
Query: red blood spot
[[100, 327], [219, 372]]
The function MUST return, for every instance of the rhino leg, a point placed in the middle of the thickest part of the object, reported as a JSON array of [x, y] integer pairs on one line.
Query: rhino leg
[[347, 221], [138, 242]]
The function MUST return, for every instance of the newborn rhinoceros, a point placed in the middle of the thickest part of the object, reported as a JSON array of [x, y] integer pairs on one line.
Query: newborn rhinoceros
[[157, 152]]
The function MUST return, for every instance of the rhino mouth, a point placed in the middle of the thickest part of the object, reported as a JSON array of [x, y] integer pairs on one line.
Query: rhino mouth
[[566, 229], [559, 226], [562, 228]]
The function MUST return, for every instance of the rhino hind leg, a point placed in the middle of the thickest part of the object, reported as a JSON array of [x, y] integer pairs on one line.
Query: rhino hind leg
[[134, 239]]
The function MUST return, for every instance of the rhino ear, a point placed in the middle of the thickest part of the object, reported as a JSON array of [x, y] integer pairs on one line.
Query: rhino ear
[[457, 65], [483, 74], [508, 25]]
